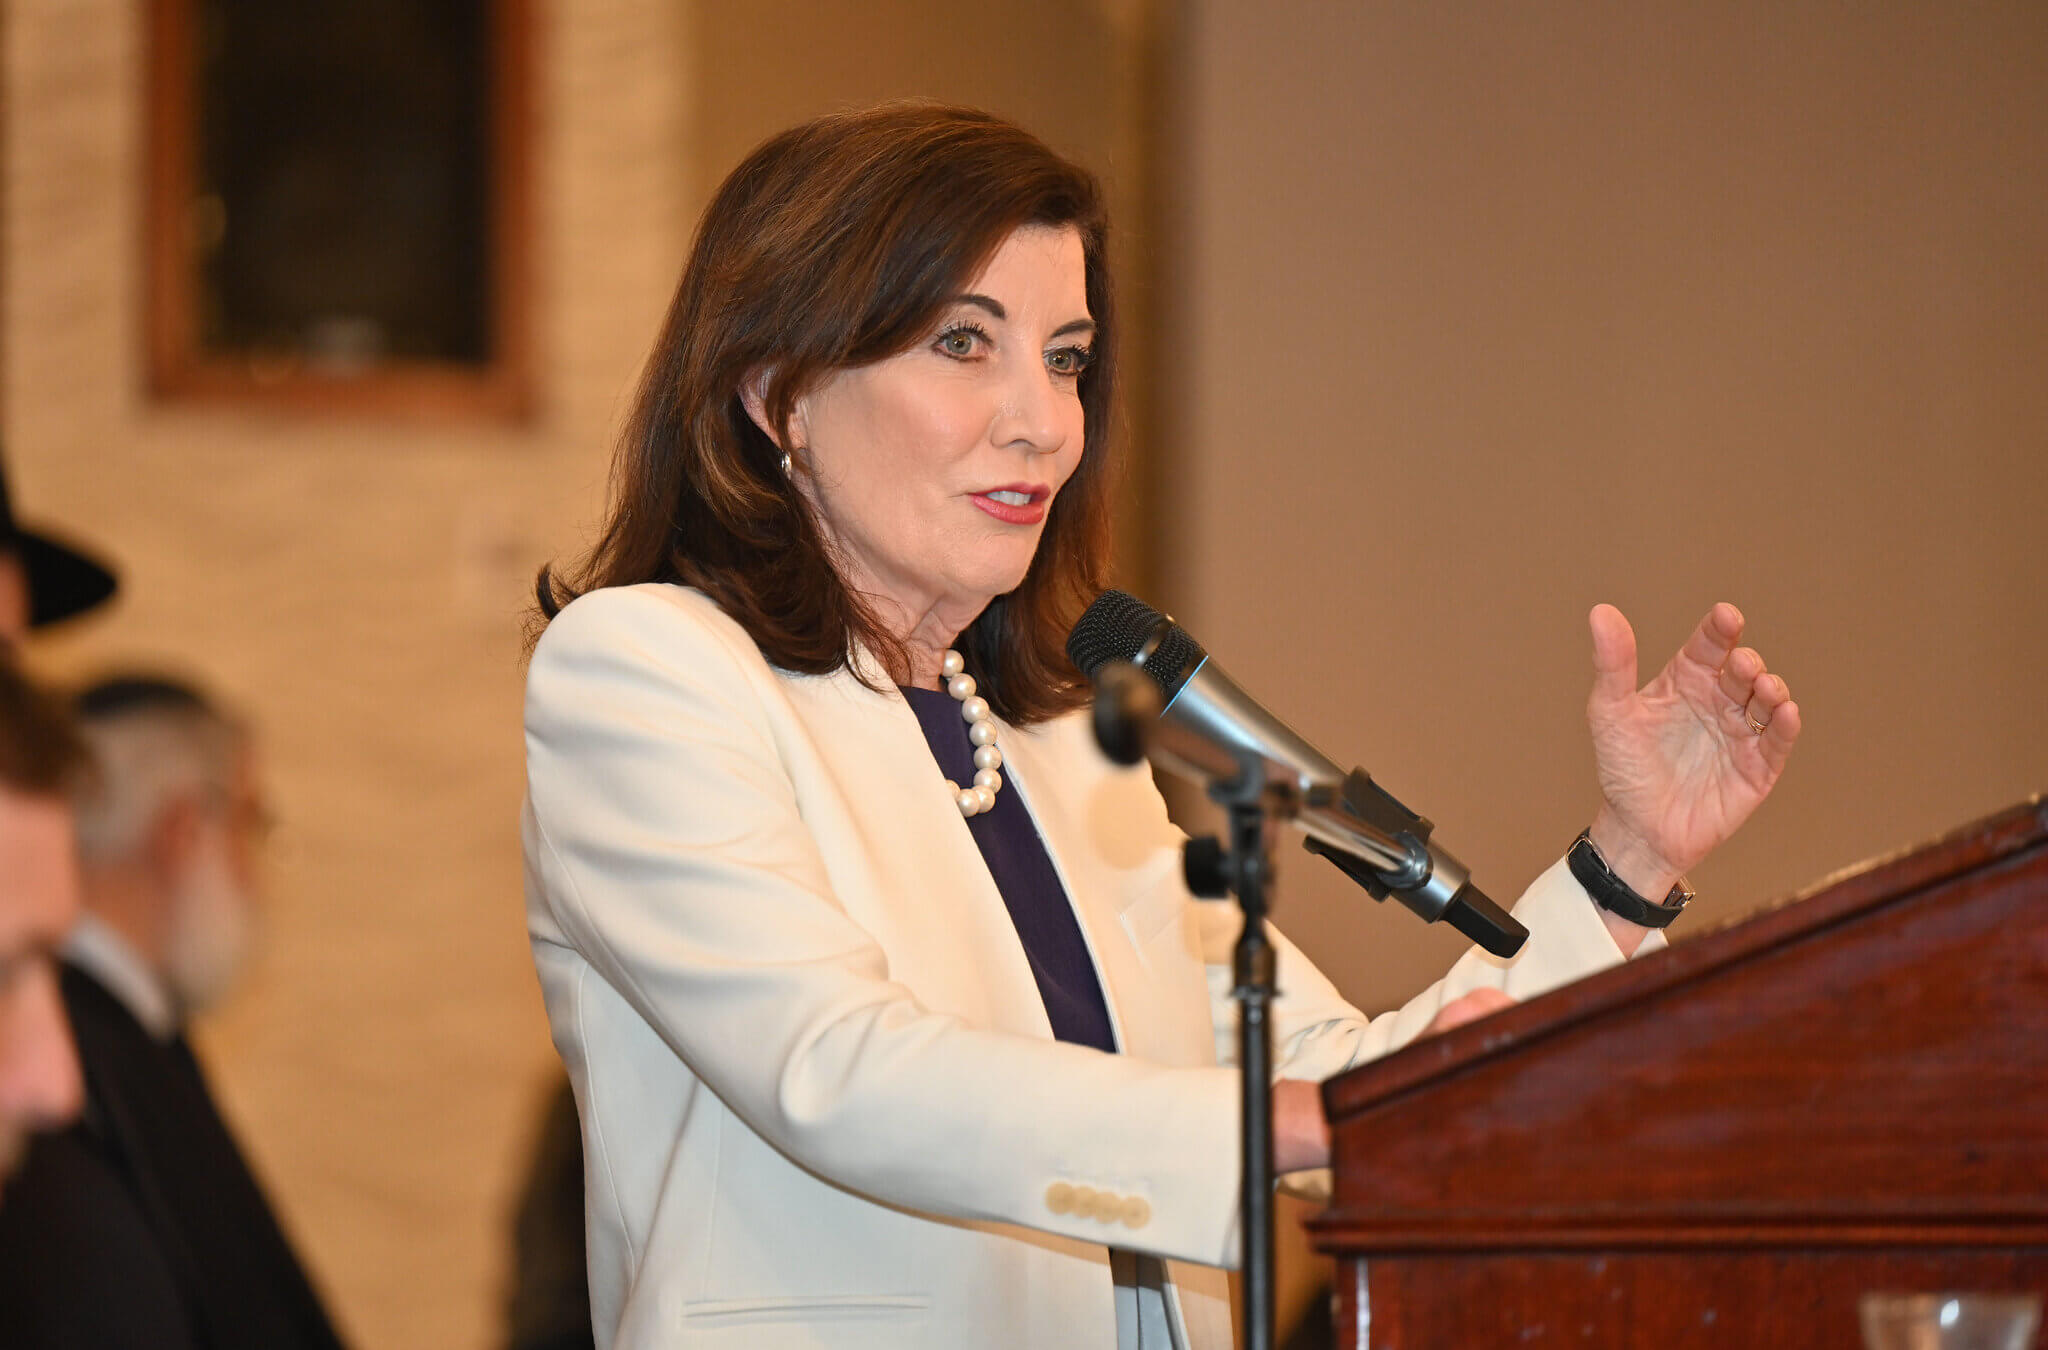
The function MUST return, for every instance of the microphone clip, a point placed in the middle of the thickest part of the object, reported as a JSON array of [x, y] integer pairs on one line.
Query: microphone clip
[[1432, 884], [1376, 806]]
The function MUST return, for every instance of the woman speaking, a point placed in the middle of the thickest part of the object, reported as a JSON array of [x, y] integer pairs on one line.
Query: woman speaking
[[885, 1005]]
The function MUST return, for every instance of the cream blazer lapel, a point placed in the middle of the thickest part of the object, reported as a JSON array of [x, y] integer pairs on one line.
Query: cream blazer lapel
[[903, 860], [907, 865], [1119, 859]]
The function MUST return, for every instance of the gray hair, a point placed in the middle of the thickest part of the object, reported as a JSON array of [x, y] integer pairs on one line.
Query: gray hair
[[153, 741]]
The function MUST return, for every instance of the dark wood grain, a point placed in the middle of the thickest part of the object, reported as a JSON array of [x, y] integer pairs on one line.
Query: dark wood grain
[[1750, 1300], [1845, 1090]]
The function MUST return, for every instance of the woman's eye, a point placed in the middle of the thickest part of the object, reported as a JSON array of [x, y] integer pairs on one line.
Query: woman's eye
[[1068, 360], [959, 342]]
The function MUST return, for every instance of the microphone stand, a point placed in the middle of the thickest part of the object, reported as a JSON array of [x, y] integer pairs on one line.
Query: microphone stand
[[1245, 868], [1126, 715], [1356, 815]]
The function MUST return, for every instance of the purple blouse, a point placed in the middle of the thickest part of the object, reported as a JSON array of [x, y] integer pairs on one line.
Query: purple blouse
[[1031, 889]]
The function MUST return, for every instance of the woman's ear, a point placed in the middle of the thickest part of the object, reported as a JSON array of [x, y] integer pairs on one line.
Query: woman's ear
[[754, 398]]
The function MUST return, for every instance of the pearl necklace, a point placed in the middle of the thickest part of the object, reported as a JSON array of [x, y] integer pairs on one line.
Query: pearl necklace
[[981, 729]]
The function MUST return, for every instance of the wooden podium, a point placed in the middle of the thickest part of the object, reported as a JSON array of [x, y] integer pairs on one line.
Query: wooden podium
[[1726, 1143]]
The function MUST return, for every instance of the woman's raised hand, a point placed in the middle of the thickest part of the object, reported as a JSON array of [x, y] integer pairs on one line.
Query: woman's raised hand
[[1686, 758]]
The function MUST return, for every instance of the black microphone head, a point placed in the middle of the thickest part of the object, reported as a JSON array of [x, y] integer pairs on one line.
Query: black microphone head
[[1121, 627], [1126, 706]]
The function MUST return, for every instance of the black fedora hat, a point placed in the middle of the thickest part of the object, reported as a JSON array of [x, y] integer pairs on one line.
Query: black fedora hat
[[62, 581]]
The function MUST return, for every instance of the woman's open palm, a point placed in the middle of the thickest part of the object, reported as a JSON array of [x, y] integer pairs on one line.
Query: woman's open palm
[[1681, 760]]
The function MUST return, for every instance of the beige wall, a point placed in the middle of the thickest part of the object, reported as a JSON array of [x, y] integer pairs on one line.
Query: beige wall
[[1488, 313]]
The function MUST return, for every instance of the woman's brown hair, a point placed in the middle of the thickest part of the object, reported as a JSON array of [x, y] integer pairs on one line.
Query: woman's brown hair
[[834, 244]]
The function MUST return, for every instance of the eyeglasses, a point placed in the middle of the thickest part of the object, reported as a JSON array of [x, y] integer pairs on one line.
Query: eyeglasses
[[246, 812]]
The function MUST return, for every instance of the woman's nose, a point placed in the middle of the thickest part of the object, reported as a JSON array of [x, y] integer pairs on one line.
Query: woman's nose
[[1036, 412]]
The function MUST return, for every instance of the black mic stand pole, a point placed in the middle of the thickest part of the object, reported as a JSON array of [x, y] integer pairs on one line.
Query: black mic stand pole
[[1245, 869], [1126, 713]]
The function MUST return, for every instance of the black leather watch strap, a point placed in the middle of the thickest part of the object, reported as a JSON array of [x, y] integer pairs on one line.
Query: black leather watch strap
[[1612, 894]]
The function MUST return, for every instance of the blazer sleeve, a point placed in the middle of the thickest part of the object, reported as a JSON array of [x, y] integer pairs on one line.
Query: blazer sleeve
[[668, 849], [1318, 1034]]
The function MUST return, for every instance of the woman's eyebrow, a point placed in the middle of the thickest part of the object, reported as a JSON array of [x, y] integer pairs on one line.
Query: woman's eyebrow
[[998, 313]]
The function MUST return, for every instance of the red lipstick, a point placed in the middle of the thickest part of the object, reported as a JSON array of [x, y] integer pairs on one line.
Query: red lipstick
[[1030, 511]]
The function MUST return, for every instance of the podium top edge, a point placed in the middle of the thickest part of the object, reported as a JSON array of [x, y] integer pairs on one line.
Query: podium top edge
[[2015, 827], [1831, 901]]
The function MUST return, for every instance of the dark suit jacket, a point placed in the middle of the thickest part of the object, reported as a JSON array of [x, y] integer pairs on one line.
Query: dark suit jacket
[[141, 1225]]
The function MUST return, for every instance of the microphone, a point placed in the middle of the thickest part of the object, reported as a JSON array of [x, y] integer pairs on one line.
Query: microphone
[[1212, 730]]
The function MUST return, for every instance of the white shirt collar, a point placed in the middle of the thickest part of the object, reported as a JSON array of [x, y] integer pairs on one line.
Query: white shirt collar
[[105, 955]]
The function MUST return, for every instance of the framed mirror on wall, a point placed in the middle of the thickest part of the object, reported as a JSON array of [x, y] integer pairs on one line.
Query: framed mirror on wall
[[339, 214]]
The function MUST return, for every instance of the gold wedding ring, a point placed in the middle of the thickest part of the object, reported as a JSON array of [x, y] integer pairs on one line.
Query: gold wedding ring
[[1758, 727]]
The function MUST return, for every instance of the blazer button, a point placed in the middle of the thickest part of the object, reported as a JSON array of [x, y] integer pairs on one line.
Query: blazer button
[[1059, 1198], [1086, 1202], [1136, 1213]]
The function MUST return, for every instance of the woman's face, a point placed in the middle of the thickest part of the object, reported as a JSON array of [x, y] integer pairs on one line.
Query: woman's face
[[934, 469]]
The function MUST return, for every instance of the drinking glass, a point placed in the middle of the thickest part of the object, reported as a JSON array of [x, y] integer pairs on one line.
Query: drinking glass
[[1950, 1321]]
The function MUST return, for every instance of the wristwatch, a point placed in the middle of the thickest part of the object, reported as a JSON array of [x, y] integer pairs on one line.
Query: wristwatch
[[1612, 894]]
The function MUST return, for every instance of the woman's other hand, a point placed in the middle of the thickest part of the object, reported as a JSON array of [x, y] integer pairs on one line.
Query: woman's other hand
[[1301, 1134], [1468, 1008], [1681, 760]]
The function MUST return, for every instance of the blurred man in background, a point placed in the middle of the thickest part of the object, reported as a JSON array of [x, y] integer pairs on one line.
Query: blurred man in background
[[142, 1225], [42, 580], [39, 760]]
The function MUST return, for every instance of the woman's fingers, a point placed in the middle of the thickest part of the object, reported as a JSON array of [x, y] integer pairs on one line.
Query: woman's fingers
[[1739, 675], [1770, 706], [1759, 696], [1614, 654], [1779, 734], [1717, 634], [1767, 694]]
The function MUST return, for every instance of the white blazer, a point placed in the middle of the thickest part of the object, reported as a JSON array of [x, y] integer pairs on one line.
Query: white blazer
[[821, 1101]]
